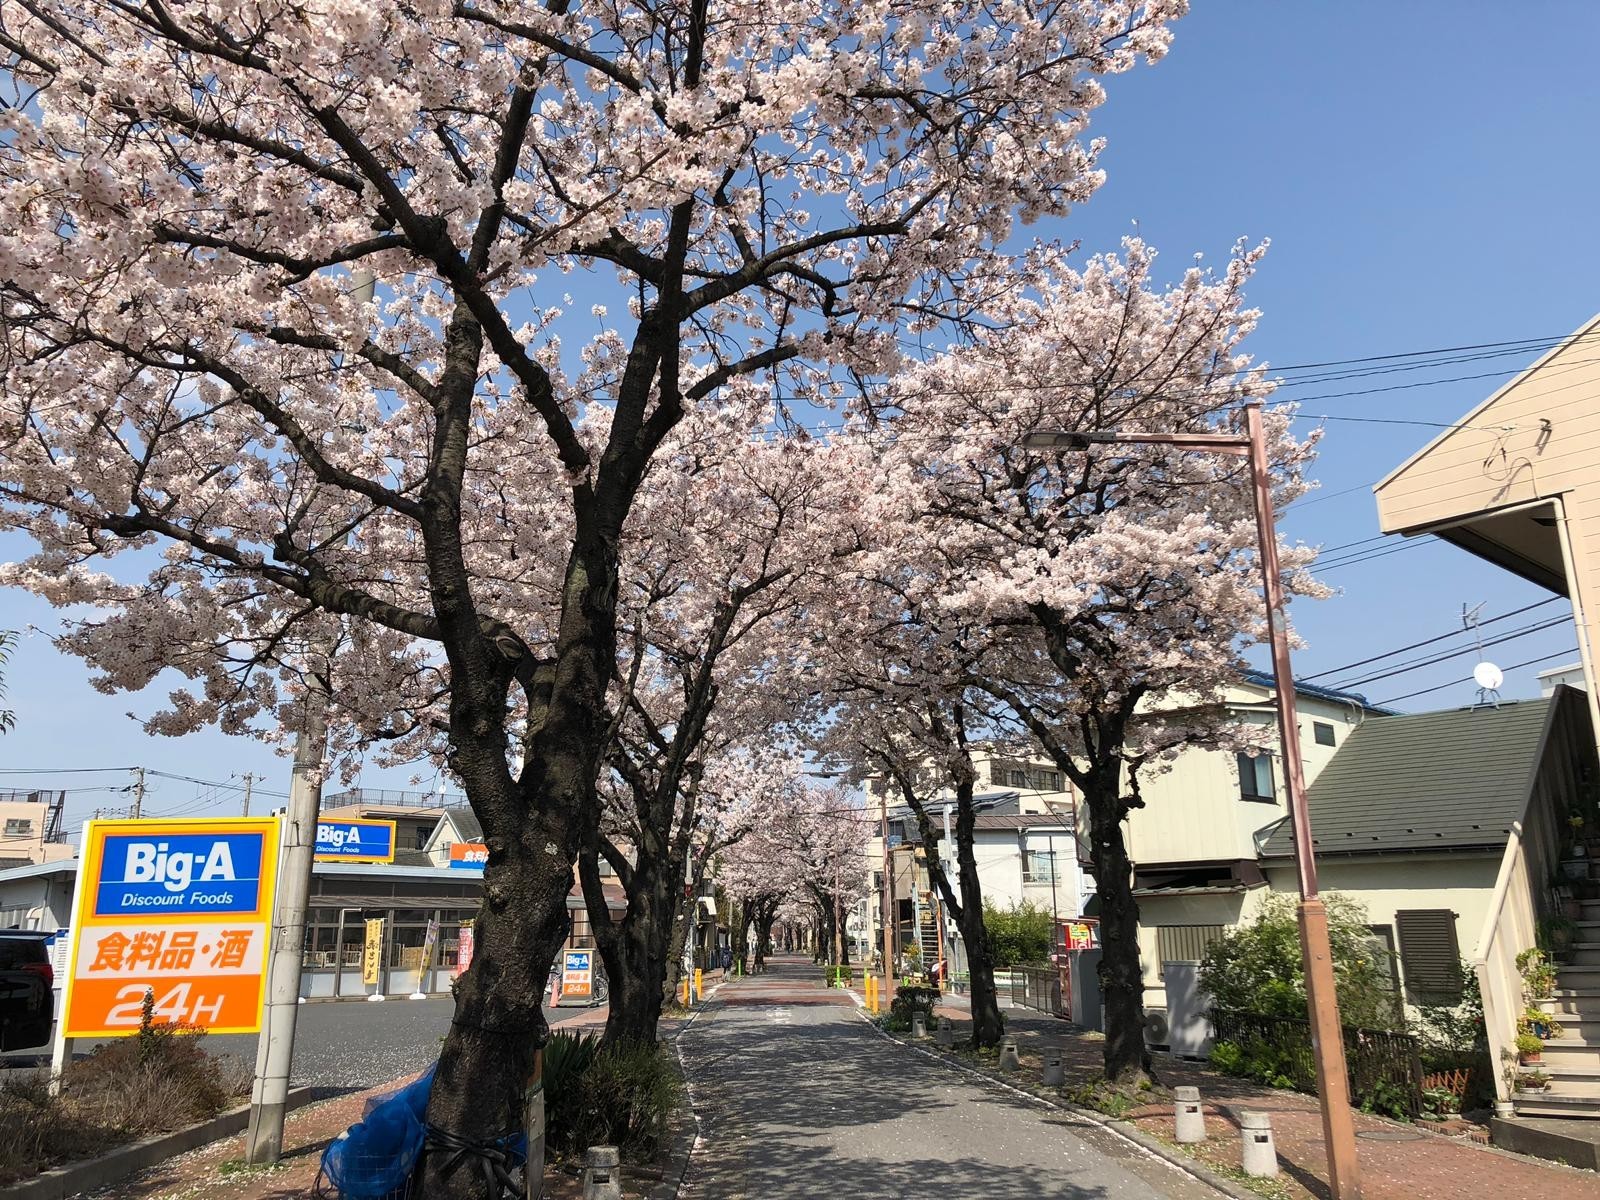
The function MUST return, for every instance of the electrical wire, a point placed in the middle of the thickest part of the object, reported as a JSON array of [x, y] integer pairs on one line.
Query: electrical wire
[[1515, 612], [1432, 660], [1458, 682]]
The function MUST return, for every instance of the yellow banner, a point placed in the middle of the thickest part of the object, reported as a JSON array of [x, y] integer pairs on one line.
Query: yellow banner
[[372, 953]]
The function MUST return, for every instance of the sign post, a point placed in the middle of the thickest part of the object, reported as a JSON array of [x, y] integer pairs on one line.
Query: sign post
[[180, 909], [577, 974], [372, 957]]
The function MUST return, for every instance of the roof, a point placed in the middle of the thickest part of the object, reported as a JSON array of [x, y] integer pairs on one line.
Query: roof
[[60, 866], [1012, 821], [466, 821], [1338, 696], [1428, 781]]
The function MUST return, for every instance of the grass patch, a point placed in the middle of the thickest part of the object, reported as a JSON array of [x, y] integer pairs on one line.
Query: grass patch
[[1272, 1189], [1106, 1098], [158, 1082]]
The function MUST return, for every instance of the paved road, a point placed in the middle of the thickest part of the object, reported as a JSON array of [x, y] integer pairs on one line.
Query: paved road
[[801, 1098], [347, 1044]]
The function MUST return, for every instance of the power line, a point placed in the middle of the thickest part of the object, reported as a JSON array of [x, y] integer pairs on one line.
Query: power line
[[1516, 612], [1432, 660], [1365, 558], [1457, 682]]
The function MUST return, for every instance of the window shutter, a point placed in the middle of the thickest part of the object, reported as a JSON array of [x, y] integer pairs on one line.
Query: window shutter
[[1183, 943], [1429, 955]]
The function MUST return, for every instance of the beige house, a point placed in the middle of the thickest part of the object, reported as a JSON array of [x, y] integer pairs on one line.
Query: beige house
[[1194, 844], [31, 828], [1517, 483]]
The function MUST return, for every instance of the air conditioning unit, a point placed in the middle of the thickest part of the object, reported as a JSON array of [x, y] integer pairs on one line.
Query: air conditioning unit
[[1155, 1028]]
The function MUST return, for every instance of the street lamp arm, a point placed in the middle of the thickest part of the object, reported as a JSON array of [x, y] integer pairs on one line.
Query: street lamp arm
[[1215, 443]]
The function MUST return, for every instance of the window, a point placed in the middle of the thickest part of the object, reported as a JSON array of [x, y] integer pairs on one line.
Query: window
[[1380, 944], [1255, 776], [422, 837], [997, 772], [1017, 778], [1038, 866], [1429, 955], [18, 826], [1323, 732], [1183, 943]]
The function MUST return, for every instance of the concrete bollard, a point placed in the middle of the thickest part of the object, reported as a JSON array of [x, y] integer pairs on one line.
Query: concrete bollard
[[919, 1025], [1189, 1117], [1009, 1060], [1054, 1073], [946, 1034], [602, 1174], [1260, 1155]]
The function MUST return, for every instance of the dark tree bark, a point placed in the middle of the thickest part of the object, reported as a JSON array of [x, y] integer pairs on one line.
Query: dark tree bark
[[1127, 1059], [967, 910]]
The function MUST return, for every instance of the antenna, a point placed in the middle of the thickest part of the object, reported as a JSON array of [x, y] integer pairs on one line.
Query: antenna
[[1486, 675]]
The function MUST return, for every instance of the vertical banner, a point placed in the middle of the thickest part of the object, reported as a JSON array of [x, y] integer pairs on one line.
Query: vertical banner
[[429, 941], [181, 909], [372, 952], [463, 951]]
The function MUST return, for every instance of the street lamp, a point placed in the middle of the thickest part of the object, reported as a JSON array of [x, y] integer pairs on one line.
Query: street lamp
[[1338, 1126]]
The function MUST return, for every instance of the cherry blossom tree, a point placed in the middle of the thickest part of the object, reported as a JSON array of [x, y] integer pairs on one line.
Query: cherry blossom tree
[[1119, 583], [287, 333]]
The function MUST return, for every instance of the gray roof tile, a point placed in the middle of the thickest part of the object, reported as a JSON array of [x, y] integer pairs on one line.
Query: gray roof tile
[[1440, 779]]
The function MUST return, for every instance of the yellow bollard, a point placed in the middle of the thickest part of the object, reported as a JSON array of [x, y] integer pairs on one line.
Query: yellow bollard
[[683, 991], [872, 994], [699, 985]]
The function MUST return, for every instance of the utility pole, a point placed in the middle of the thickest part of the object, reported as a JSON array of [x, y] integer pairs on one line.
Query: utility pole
[[138, 793], [1322, 1003], [248, 780], [275, 1051], [888, 904]]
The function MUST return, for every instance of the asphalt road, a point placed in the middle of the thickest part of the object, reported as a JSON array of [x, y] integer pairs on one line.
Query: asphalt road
[[345, 1044], [799, 1101]]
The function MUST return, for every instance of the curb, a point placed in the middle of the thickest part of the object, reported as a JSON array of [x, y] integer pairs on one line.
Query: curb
[[95, 1173], [685, 1137], [1123, 1129]]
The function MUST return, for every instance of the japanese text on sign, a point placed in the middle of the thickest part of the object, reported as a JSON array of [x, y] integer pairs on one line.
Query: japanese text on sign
[[577, 973], [468, 856], [180, 910]]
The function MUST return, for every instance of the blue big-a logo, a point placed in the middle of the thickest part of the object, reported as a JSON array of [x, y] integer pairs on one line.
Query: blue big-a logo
[[179, 874]]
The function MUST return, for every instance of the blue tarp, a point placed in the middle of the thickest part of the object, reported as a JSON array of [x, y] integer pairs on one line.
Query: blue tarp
[[374, 1158]]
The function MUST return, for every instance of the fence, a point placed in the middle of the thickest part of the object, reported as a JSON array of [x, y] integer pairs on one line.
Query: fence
[[1385, 1069], [1038, 988]]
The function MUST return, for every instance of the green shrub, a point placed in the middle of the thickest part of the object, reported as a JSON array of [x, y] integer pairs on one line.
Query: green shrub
[[1257, 968], [597, 1095], [1022, 934], [838, 976], [908, 1000]]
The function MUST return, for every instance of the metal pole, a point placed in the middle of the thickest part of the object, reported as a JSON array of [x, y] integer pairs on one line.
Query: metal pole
[[275, 1050], [1338, 1125], [888, 903]]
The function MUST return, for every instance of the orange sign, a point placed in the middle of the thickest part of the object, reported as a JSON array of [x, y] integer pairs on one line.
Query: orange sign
[[179, 910], [468, 856]]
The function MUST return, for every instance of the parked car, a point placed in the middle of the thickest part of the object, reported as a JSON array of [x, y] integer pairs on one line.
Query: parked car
[[27, 1003]]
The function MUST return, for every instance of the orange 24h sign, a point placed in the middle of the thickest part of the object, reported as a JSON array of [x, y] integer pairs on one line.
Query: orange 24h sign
[[181, 909]]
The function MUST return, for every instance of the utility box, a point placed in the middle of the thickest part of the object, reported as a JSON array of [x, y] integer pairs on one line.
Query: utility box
[[1188, 1029]]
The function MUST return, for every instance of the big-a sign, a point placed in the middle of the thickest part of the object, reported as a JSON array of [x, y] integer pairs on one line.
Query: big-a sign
[[359, 841], [181, 909]]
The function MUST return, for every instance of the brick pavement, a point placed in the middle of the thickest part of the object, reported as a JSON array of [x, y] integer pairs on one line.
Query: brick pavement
[[1398, 1161]]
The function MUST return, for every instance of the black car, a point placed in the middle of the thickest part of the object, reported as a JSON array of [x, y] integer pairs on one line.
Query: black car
[[27, 1006]]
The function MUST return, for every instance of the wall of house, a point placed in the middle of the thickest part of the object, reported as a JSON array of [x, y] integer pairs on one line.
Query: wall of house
[[1462, 882], [1194, 811], [1226, 910], [1537, 438], [22, 827]]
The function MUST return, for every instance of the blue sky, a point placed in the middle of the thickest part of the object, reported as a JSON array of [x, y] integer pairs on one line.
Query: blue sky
[[1426, 174]]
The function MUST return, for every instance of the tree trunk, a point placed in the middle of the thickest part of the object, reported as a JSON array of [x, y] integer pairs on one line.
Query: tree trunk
[[1127, 1061], [636, 948]]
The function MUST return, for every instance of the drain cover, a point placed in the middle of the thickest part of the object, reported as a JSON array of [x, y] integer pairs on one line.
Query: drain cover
[[1390, 1135]]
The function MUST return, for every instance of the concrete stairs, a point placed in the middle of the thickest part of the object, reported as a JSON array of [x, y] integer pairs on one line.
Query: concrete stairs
[[1572, 1061]]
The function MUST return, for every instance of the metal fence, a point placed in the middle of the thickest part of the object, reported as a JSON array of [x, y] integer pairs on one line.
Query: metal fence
[[1038, 988], [1384, 1067]]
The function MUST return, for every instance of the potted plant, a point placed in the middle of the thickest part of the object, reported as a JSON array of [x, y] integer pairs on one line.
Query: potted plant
[[1556, 934], [1538, 974], [1530, 1048], [1533, 1081]]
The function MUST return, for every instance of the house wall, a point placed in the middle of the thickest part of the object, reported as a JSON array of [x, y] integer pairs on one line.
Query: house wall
[[1154, 911], [1537, 438], [22, 827], [1462, 882], [1194, 812]]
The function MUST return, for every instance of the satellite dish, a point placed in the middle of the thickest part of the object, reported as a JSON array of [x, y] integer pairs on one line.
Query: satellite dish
[[1488, 676]]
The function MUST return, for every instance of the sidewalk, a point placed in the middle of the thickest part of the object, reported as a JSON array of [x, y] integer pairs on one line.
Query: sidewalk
[[1398, 1161]]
